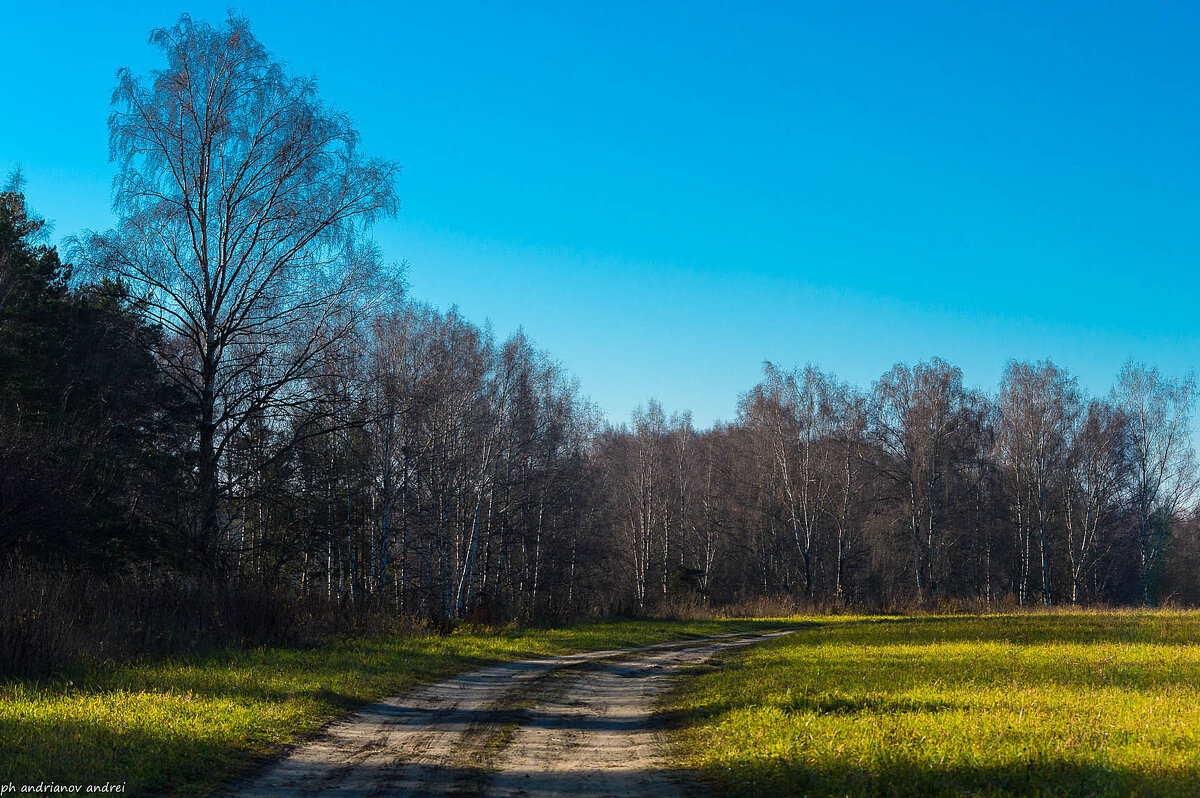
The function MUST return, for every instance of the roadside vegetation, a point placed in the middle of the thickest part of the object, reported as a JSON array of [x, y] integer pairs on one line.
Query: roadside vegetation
[[183, 726], [1042, 704]]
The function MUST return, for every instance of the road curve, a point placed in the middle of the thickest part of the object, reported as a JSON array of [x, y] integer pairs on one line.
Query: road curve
[[577, 725]]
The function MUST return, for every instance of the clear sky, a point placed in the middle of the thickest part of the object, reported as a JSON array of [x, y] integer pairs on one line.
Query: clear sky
[[665, 195]]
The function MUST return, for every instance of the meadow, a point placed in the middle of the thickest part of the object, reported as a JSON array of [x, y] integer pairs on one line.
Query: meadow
[[185, 726], [1038, 704]]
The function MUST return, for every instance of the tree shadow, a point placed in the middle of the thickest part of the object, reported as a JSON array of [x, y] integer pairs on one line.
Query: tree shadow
[[893, 650], [146, 761], [913, 779]]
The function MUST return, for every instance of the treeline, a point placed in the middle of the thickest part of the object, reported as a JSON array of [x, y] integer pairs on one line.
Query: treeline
[[228, 398], [452, 477], [918, 492], [424, 466], [437, 472]]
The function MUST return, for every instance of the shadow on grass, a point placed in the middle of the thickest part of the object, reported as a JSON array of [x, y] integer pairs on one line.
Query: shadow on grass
[[422, 779], [911, 779], [675, 719], [905, 653], [36, 750], [284, 681], [1077, 628]]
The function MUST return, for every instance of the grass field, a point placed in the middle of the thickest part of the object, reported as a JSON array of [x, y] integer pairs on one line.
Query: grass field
[[185, 726], [1055, 704]]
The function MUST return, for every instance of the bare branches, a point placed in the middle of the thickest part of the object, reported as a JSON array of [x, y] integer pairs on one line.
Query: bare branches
[[1158, 411], [242, 201]]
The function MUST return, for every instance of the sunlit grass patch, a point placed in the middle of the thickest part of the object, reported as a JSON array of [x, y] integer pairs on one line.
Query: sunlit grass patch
[[1062, 704], [186, 725]]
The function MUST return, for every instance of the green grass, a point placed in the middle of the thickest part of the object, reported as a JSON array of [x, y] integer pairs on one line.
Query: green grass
[[185, 726], [1053, 704]]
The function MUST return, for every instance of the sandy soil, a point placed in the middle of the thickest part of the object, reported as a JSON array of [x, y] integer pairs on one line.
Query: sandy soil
[[577, 726]]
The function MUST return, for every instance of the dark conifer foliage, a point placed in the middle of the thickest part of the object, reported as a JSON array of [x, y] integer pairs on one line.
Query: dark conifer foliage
[[88, 441]]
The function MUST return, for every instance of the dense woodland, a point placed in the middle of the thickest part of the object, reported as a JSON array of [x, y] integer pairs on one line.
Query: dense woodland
[[232, 388]]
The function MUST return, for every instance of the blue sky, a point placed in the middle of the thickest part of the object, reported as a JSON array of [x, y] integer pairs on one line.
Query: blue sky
[[665, 195]]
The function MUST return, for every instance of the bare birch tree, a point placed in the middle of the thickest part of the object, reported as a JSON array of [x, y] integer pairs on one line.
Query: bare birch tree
[[1164, 473], [1038, 408], [1096, 490], [848, 415], [790, 412], [917, 422], [242, 202]]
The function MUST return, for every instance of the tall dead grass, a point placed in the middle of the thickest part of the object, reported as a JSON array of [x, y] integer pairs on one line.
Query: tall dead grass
[[51, 621]]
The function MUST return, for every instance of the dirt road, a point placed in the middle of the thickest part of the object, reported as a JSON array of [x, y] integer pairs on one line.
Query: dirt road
[[577, 726]]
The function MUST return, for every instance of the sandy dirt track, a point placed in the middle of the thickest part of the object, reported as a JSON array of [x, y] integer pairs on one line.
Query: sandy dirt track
[[577, 725]]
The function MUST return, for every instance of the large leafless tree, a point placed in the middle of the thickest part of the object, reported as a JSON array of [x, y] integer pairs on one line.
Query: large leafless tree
[[1157, 409], [1038, 408], [242, 201], [919, 424]]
